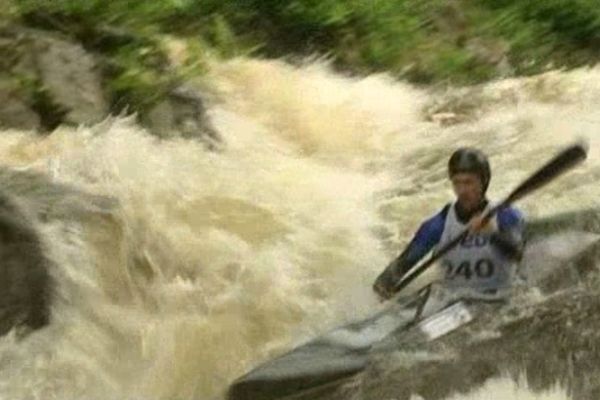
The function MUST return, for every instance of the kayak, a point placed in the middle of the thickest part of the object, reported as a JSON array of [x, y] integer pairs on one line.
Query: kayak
[[323, 364]]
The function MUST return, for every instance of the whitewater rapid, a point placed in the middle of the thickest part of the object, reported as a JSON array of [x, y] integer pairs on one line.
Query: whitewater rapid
[[199, 265]]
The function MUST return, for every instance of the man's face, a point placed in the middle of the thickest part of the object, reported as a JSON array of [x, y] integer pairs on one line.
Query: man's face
[[468, 189]]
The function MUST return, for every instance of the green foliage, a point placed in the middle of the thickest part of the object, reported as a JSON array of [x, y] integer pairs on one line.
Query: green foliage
[[137, 79], [425, 41], [422, 40]]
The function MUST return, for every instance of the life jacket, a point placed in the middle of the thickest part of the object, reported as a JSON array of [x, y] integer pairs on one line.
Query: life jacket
[[474, 263]]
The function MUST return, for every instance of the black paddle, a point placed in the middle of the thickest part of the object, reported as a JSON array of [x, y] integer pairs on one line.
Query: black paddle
[[559, 164]]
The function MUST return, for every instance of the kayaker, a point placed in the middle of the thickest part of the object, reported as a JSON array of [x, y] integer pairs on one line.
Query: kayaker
[[485, 260]]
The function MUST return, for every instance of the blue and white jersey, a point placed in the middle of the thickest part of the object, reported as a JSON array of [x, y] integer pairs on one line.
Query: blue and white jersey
[[475, 263]]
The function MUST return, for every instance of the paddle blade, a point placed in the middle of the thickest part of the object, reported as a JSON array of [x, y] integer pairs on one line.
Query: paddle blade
[[561, 163]]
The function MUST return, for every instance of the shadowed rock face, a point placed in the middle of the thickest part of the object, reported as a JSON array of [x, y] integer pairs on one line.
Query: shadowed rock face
[[29, 201], [24, 276]]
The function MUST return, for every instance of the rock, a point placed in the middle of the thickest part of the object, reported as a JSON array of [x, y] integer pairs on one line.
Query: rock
[[51, 76], [72, 78], [447, 118], [52, 80], [183, 114], [36, 265], [492, 52], [25, 285], [15, 112]]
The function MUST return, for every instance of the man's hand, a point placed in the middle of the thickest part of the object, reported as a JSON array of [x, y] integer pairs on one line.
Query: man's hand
[[477, 224]]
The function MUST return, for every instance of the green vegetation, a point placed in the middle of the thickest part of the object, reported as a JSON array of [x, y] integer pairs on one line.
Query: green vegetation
[[424, 41]]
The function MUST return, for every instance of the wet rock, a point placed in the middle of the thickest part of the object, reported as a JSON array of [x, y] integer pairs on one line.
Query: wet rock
[[15, 112], [32, 277], [48, 79], [491, 52], [25, 285], [51, 76], [446, 118], [71, 76], [183, 114]]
